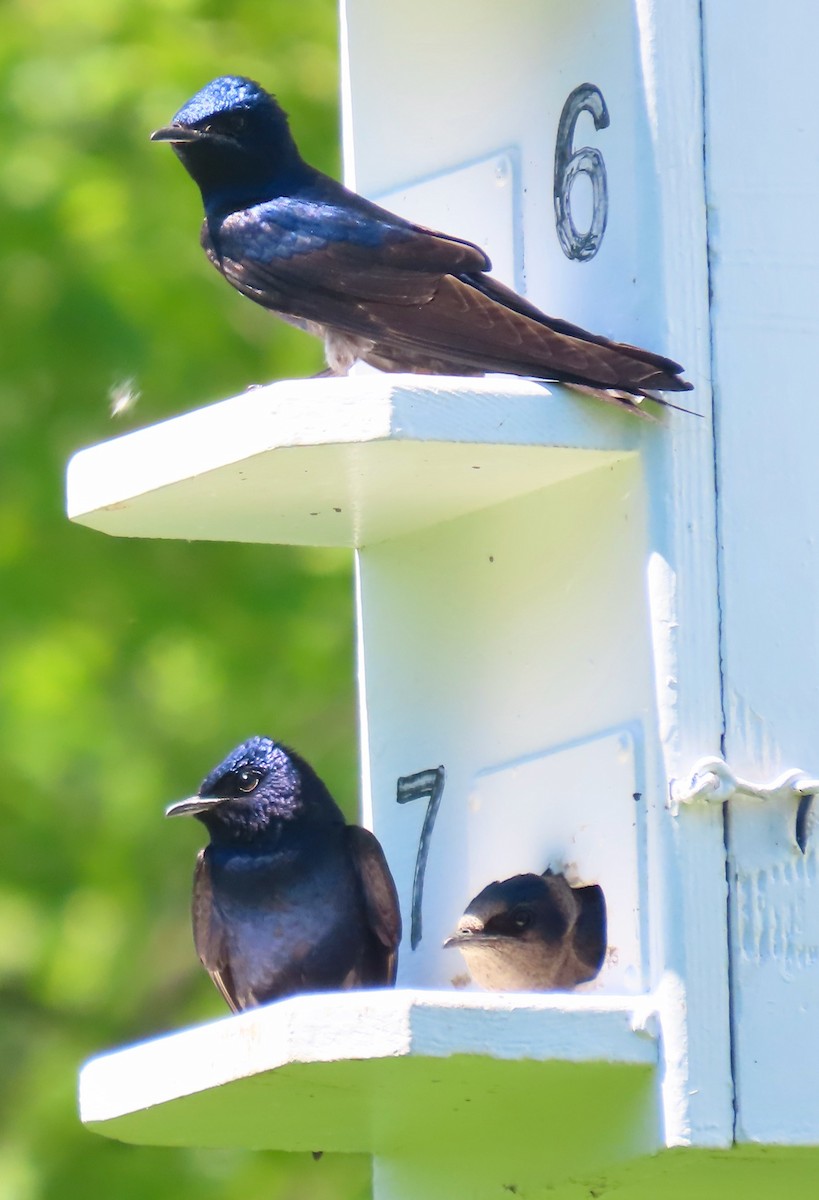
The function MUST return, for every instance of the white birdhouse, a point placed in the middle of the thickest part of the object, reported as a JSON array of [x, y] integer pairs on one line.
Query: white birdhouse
[[579, 632]]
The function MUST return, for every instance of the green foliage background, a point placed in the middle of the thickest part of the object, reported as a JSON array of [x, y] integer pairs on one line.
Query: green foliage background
[[128, 668]]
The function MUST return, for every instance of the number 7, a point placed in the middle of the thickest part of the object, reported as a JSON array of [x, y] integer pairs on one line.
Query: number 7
[[429, 784]]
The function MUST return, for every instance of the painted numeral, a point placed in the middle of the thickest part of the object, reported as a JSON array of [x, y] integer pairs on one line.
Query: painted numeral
[[569, 163], [423, 785]]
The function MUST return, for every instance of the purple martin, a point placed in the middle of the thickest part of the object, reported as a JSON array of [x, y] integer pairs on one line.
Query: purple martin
[[533, 933], [286, 897], [375, 287]]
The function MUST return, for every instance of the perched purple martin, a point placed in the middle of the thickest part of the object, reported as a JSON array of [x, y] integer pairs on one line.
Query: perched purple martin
[[286, 897], [533, 933], [375, 287]]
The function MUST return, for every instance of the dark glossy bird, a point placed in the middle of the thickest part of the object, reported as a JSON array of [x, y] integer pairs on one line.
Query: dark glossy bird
[[286, 897], [375, 287], [533, 933]]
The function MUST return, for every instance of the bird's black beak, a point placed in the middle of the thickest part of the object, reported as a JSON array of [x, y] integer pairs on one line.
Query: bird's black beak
[[176, 133], [193, 805]]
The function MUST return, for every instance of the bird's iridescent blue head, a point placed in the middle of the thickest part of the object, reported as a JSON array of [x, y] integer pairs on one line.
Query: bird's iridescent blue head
[[242, 772], [227, 94], [255, 788], [234, 140]]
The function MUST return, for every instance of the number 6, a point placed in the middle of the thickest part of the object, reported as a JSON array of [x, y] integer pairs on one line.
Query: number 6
[[569, 163]]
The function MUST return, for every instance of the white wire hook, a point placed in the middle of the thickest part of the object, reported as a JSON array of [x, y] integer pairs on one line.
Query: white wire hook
[[713, 782]]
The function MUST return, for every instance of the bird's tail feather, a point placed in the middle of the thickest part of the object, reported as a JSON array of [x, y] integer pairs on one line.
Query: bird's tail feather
[[495, 290], [463, 326]]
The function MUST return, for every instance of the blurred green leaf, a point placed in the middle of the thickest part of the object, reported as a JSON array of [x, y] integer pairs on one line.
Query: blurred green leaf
[[128, 668]]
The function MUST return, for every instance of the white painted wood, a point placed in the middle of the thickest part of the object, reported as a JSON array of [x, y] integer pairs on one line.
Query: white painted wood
[[273, 1077], [482, 198], [343, 462], [495, 639], [429, 86], [605, 611], [688, 894], [763, 179]]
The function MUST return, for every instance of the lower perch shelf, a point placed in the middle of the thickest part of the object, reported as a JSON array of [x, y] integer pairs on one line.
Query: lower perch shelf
[[391, 1072]]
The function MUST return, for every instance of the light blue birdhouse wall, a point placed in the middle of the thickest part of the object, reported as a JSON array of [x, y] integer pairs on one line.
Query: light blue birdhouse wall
[[557, 653], [763, 176], [430, 89]]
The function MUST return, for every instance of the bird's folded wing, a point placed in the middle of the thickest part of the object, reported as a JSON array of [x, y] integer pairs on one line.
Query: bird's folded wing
[[380, 896], [265, 250], [209, 933], [495, 290], [404, 301], [469, 326]]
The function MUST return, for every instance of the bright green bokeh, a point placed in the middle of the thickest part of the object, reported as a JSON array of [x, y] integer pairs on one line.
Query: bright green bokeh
[[128, 668]]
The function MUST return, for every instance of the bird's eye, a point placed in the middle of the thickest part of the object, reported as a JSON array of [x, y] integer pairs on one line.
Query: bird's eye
[[522, 919], [248, 781]]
